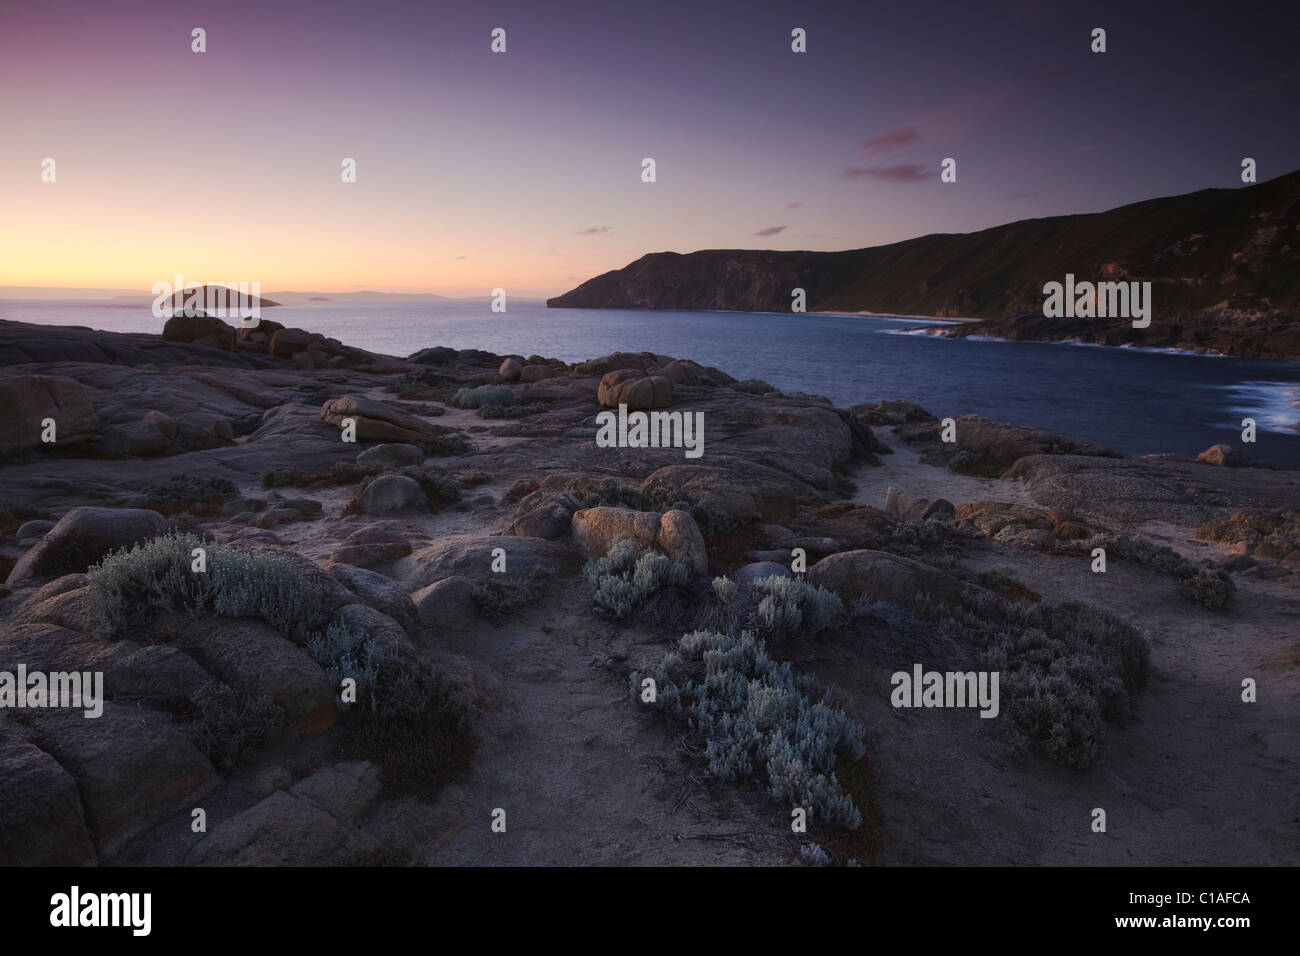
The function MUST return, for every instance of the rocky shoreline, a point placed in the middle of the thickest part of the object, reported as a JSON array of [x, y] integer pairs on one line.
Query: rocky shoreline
[[447, 527], [1217, 333]]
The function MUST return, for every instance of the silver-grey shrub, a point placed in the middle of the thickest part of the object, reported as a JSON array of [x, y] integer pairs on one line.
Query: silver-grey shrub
[[627, 575], [128, 585], [757, 720], [774, 607]]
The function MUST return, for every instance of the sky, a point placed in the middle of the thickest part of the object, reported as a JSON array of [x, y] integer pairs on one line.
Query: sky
[[522, 170]]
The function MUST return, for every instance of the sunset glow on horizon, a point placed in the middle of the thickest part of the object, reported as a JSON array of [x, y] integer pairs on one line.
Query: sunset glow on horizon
[[522, 170]]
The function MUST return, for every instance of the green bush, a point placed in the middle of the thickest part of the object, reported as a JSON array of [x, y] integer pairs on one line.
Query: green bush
[[623, 579], [483, 395], [756, 719], [755, 386]]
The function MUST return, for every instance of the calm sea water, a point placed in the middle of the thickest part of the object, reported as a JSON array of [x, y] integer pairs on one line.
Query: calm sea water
[[1138, 402]]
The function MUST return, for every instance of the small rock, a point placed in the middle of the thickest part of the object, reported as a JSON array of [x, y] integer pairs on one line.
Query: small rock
[[30, 530]]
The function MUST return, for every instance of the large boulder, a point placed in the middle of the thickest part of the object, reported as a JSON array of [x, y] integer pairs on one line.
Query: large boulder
[[527, 560], [447, 604], [1225, 456], [510, 369], [131, 767], [282, 830], [82, 537], [203, 329], [254, 658], [41, 820], [888, 578], [260, 333], [544, 514], [28, 400], [371, 545], [376, 421], [634, 389], [674, 533], [286, 343], [536, 373], [392, 495], [380, 592]]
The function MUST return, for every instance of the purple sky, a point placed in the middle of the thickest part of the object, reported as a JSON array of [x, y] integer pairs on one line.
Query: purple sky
[[523, 170]]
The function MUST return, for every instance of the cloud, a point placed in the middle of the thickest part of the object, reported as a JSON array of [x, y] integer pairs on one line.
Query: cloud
[[770, 231], [902, 173], [949, 122], [594, 231], [893, 139], [793, 205], [462, 257]]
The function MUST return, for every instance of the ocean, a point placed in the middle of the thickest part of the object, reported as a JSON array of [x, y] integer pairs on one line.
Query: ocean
[[1136, 401]]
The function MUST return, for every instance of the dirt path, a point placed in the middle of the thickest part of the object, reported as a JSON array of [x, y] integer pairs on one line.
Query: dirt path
[[582, 776]]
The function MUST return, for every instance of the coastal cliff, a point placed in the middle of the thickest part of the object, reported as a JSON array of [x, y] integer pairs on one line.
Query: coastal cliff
[[1224, 261]]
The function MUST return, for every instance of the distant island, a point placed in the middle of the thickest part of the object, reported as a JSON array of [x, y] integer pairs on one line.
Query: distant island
[[320, 298], [1223, 264], [223, 296]]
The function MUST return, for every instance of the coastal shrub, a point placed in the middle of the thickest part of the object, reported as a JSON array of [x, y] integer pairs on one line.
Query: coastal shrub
[[1204, 582], [792, 604], [408, 716], [811, 854], [280, 476], [775, 607], [924, 539], [809, 396], [623, 579], [755, 386], [440, 487], [756, 721], [483, 395], [497, 600], [414, 721], [197, 494], [448, 443], [520, 410], [1064, 671], [128, 585], [607, 492], [230, 726]]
